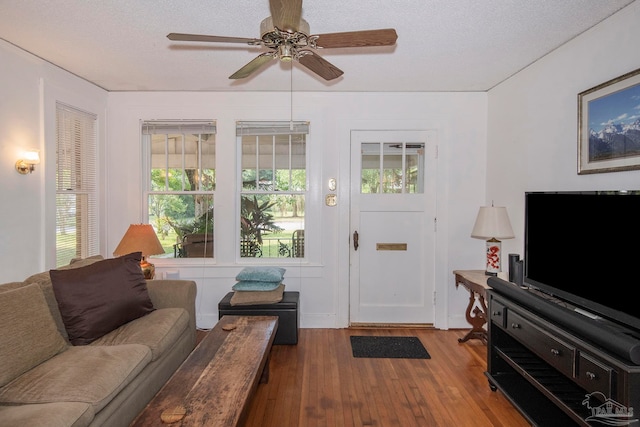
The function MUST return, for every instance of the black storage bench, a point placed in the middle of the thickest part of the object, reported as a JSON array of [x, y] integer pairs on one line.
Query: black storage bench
[[286, 310]]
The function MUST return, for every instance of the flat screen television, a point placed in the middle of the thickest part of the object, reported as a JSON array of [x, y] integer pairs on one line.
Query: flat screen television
[[583, 247]]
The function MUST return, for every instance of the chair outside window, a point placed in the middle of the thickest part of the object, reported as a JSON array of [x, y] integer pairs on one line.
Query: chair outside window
[[196, 246], [249, 248], [297, 244]]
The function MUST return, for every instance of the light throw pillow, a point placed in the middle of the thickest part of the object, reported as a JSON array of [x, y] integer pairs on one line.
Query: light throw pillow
[[98, 298], [261, 274], [29, 335], [257, 298], [244, 285]]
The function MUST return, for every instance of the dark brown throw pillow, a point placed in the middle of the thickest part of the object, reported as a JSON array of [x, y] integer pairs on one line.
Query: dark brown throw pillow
[[96, 299]]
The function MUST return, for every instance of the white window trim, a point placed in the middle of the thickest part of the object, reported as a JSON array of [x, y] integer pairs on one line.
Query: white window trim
[[84, 165], [260, 127], [173, 126]]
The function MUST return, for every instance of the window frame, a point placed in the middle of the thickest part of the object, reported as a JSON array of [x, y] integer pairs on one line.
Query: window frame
[[209, 126], [270, 128], [82, 162]]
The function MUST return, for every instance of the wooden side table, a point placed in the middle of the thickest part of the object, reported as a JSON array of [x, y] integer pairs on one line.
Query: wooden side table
[[476, 282]]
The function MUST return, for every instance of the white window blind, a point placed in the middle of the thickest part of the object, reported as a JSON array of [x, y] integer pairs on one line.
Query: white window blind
[[271, 128], [76, 184], [178, 126]]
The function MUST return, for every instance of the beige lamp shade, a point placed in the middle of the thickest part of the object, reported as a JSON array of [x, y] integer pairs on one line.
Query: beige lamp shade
[[139, 238], [492, 222]]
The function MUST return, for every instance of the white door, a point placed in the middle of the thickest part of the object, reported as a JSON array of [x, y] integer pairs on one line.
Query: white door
[[392, 222]]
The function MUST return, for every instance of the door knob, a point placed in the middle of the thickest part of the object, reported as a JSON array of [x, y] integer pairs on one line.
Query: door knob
[[355, 240]]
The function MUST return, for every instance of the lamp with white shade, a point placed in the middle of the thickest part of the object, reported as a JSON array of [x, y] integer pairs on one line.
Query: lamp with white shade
[[492, 224]]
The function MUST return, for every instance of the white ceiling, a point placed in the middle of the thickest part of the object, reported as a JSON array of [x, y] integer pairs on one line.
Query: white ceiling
[[443, 45]]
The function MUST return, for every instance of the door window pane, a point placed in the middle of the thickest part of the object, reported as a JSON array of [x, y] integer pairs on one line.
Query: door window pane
[[388, 168]]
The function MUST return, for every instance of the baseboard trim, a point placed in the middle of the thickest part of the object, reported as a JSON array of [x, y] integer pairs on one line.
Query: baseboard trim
[[391, 326]]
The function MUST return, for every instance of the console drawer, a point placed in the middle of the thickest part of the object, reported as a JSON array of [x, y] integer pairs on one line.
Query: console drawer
[[498, 313], [594, 376], [555, 352]]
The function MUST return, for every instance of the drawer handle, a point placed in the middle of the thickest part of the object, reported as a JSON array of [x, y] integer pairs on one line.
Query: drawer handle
[[515, 325], [555, 352], [497, 313], [590, 375]]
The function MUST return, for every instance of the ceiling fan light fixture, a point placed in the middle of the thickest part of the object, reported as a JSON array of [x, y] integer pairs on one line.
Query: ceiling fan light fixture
[[266, 26], [287, 37], [285, 52]]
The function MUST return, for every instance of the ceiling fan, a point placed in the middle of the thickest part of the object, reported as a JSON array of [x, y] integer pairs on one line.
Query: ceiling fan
[[286, 35]]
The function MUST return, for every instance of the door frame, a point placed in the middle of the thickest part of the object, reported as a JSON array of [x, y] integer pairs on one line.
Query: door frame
[[408, 312], [443, 276]]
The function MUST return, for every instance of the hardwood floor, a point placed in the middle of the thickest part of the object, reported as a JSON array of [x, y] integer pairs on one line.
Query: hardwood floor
[[318, 383]]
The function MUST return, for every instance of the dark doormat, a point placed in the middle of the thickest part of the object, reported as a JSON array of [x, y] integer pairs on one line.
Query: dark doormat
[[388, 347]]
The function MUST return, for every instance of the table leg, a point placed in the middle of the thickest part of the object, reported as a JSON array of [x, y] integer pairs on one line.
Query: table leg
[[264, 378], [476, 316]]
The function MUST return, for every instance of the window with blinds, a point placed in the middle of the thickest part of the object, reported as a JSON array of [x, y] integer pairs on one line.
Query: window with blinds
[[273, 188], [180, 186], [76, 184]]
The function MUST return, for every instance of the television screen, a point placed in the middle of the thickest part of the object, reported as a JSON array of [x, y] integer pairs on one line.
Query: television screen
[[581, 247]]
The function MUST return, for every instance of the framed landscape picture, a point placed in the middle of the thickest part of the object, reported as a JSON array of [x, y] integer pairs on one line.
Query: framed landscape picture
[[609, 126]]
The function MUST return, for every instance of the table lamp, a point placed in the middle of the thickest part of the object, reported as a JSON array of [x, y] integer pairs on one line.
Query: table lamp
[[492, 224], [141, 238]]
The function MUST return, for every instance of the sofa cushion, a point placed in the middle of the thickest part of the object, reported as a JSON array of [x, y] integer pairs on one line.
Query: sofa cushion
[[29, 335], [44, 280], [158, 331], [90, 374], [63, 414], [11, 286], [98, 298]]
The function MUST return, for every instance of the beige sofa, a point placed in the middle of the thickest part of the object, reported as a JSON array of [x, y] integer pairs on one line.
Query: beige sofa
[[47, 381]]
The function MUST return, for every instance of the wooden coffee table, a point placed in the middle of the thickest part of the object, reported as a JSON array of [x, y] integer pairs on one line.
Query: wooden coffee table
[[214, 384]]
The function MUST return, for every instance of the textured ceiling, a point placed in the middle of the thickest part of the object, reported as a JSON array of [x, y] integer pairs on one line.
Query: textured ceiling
[[443, 45]]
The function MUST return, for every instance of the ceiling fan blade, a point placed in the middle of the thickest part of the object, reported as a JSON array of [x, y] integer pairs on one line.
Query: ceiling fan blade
[[364, 38], [320, 66], [286, 14], [253, 66], [204, 38]]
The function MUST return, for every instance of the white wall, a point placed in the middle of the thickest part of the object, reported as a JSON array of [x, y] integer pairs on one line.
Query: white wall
[[533, 119], [459, 120], [530, 120], [29, 88]]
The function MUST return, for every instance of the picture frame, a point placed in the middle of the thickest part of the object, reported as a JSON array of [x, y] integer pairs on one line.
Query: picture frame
[[609, 126]]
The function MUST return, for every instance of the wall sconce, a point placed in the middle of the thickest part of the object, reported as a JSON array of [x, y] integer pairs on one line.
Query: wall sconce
[[28, 164]]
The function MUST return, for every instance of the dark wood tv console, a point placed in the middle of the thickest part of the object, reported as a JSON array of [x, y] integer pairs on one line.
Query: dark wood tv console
[[550, 372]]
